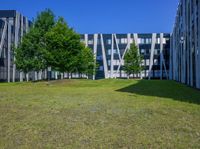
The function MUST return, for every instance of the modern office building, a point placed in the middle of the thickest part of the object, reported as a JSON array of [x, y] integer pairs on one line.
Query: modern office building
[[110, 49], [13, 26], [185, 44]]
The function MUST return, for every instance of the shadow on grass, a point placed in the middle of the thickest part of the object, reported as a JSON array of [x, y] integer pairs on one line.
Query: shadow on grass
[[164, 89]]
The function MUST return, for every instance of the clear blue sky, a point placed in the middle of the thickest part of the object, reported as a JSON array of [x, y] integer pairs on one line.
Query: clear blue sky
[[105, 16]]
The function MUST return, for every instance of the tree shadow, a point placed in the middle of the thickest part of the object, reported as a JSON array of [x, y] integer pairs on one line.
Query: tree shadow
[[164, 89]]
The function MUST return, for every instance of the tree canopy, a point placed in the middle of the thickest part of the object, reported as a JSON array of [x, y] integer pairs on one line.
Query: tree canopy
[[133, 60], [52, 43], [63, 46]]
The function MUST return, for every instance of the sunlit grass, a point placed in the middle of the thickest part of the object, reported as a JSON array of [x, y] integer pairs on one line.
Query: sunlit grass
[[99, 114]]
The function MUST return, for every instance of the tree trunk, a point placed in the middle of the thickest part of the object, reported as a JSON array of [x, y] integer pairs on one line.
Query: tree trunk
[[45, 74], [35, 76], [70, 75], [21, 76], [56, 75], [40, 75], [27, 77], [93, 77], [140, 75], [128, 76], [62, 76]]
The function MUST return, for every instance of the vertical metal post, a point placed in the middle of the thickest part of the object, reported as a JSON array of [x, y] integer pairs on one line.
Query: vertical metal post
[[9, 50]]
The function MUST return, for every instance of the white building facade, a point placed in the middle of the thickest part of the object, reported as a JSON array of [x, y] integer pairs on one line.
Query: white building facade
[[185, 44]]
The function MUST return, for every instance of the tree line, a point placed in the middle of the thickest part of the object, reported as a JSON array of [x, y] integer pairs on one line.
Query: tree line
[[51, 43]]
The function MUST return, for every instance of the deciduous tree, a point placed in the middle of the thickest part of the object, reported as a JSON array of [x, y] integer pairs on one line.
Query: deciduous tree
[[132, 61]]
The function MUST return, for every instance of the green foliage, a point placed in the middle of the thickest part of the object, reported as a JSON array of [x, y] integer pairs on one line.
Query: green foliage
[[44, 21], [63, 47], [32, 52], [133, 60], [85, 61], [53, 44], [29, 55]]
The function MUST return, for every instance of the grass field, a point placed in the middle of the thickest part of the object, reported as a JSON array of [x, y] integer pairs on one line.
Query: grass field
[[99, 114]]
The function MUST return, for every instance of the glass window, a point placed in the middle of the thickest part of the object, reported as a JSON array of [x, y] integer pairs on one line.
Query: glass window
[[101, 68], [109, 51], [124, 41], [139, 40], [99, 57], [142, 41], [164, 41], [143, 51], [109, 41], [147, 62], [98, 41], [109, 62], [155, 61], [158, 40], [155, 51], [143, 63], [90, 41], [118, 41], [148, 41]]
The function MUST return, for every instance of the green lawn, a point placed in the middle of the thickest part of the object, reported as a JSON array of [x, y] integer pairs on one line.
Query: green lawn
[[99, 114]]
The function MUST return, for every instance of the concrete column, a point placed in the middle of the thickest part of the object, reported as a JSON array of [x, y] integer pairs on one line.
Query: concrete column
[[198, 51], [9, 50], [95, 54], [112, 57], [152, 54], [104, 57], [161, 56], [17, 27]]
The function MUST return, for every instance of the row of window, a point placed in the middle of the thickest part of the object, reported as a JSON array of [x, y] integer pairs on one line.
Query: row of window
[[125, 41], [143, 51], [145, 62], [123, 74], [147, 51]]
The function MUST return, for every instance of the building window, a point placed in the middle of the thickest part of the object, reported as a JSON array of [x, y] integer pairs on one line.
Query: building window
[[124, 41], [147, 62], [90, 41], [139, 40], [164, 41], [109, 51], [156, 51], [114, 51], [143, 51], [148, 41], [98, 41], [158, 40], [101, 68], [99, 57], [142, 41], [148, 51], [109, 41], [109, 62], [155, 61], [143, 64]]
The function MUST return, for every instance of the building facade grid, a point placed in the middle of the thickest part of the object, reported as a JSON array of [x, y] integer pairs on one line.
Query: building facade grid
[[185, 44]]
